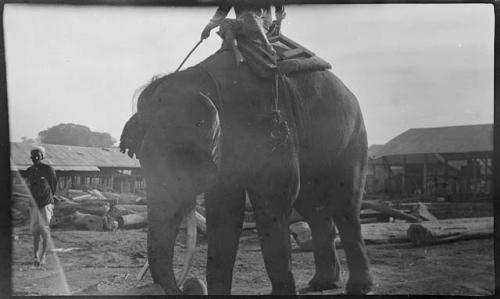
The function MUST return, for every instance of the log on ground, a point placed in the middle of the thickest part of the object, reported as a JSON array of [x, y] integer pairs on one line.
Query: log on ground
[[81, 197], [117, 211], [96, 201], [424, 233], [122, 199], [131, 221], [436, 232], [97, 194], [133, 208], [384, 232], [67, 208], [87, 221]]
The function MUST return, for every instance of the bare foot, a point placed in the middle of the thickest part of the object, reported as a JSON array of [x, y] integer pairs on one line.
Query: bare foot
[[43, 260]]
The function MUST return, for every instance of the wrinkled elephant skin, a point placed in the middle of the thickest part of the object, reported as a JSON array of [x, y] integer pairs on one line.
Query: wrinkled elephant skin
[[192, 136]]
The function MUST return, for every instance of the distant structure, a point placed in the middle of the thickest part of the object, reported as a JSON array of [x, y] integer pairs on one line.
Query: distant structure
[[451, 162], [83, 167]]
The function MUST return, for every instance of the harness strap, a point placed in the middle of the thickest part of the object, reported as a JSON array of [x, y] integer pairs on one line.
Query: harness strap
[[279, 130]]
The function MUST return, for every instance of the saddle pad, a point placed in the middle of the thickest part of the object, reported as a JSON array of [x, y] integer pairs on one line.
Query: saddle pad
[[297, 65], [264, 64]]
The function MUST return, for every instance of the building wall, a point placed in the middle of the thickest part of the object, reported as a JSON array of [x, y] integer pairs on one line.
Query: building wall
[[460, 179], [104, 179]]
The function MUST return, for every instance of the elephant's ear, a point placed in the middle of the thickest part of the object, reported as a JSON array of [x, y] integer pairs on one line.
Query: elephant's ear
[[132, 136]]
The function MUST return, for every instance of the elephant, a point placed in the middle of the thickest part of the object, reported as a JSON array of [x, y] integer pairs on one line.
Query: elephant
[[208, 129]]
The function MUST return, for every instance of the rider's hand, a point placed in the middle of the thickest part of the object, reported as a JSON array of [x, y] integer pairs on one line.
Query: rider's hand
[[275, 28], [206, 32]]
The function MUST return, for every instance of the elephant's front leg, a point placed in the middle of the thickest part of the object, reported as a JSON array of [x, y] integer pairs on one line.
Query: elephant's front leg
[[164, 217], [225, 206]]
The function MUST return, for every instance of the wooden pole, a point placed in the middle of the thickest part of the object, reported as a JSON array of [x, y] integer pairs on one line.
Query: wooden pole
[[389, 211], [403, 179], [389, 186], [375, 181], [486, 175], [474, 177], [468, 177], [483, 176], [445, 177], [424, 185]]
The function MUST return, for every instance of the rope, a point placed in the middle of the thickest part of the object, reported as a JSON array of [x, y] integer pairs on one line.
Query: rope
[[189, 54], [275, 106]]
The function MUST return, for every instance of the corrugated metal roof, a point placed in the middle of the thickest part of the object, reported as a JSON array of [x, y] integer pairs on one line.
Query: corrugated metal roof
[[374, 149], [441, 140], [61, 168], [76, 158]]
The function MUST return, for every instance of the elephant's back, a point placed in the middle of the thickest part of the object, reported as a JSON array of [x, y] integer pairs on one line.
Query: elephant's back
[[328, 114]]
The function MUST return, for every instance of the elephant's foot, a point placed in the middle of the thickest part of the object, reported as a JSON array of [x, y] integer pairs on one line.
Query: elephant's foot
[[284, 291], [284, 287], [358, 288], [322, 282], [194, 286]]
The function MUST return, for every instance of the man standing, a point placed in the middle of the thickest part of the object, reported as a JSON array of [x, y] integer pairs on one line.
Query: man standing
[[42, 183]]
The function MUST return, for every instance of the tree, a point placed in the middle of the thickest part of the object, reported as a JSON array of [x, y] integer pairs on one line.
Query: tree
[[74, 134]]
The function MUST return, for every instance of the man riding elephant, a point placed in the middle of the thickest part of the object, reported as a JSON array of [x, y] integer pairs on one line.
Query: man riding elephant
[[206, 130], [252, 22]]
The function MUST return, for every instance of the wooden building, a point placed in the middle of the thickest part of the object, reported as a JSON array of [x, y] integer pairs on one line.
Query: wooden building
[[454, 162], [84, 167]]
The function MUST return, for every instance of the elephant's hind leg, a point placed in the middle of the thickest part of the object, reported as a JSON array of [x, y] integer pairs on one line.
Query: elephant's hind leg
[[326, 260], [346, 209], [327, 265], [274, 234], [225, 207], [360, 279]]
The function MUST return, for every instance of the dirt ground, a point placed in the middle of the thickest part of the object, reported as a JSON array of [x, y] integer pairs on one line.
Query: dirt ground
[[105, 263]]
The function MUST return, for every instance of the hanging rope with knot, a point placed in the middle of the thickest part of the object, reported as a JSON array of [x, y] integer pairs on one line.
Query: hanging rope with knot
[[280, 132]]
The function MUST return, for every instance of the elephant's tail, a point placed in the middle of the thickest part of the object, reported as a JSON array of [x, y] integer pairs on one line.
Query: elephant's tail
[[132, 135]]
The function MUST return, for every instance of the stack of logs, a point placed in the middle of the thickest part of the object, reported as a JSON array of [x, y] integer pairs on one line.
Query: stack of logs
[[103, 211], [99, 211]]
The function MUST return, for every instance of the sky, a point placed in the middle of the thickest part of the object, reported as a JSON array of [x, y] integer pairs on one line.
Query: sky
[[410, 65]]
